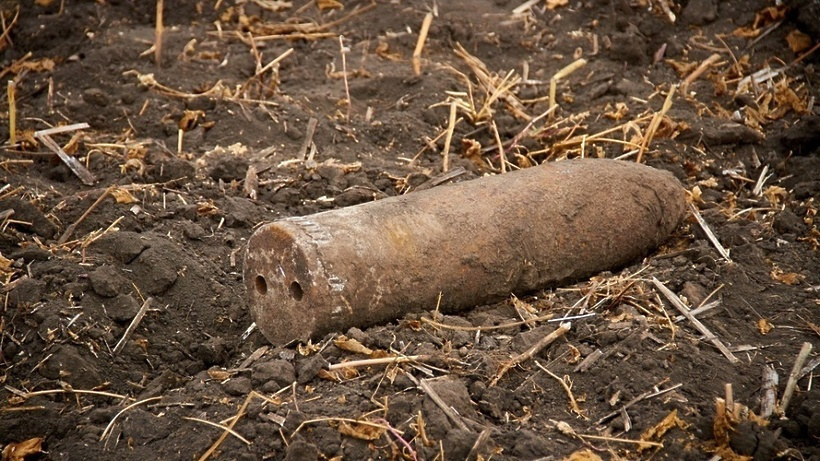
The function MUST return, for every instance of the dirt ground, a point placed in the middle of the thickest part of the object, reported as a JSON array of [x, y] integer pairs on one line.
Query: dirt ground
[[189, 154]]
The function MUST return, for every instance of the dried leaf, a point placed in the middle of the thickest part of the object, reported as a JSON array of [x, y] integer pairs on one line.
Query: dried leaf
[[764, 326], [574, 355], [18, 451], [307, 349], [524, 306], [206, 208], [695, 195], [329, 5], [383, 51], [682, 68], [5, 264], [329, 375], [553, 4], [361, 431], [789, 278], [249, 187], [787, 99], [620, 111], [565, 428], [775, 194], [219, 375], [38, 65], [351, 345], [798, 41], [583, 455], [190, 119], [763, 18], [349, 373], [379, 354], [657, 431], [133, 164], [274, 5], [122, 196], [471, 150]]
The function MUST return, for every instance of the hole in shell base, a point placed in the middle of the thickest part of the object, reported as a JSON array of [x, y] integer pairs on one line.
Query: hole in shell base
[[296, 291], [260, 284]]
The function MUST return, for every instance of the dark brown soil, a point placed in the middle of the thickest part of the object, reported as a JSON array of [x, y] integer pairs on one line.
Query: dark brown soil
[[174, 223]]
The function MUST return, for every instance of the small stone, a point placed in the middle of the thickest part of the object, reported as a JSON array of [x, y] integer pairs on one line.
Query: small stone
[[26, 292], [68, 365], [280, 372], [106, 281], [157, 273], [293, 133], [212, 351], [357, 195], [96, 97], [787, 222], [142, 427], [228, 168], [122, 308], [28, 212], [124, 245], [193, 230], [32, 253], [309, 368], [301, 450], [238, 386], [699, 12]]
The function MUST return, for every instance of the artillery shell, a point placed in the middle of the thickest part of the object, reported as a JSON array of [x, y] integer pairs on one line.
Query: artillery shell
[[474, 242]]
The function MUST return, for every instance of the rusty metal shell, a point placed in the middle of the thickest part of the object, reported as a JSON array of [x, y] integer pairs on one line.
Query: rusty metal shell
[[474, 242]]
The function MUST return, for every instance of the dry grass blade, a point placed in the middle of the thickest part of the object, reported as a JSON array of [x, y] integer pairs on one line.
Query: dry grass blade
[[28, 395], [451, 414], [451, 125], [425, 28], [791, 383], [12, 113], [562, 74], [75, 166], [132, 326], [488, 83], [230, 426], [348, 102], [655, 123], [114, 419], [345, 420], [703, 67], [158, 30], [711, 235], [572, 402], [73, 227], [220, 426], [646, 395], [378, 361], [768, 402], [7, 28], [300, 30], [530, 353], [542, 318], [311, 130], [642, 443], [64, 129], [675, 301]]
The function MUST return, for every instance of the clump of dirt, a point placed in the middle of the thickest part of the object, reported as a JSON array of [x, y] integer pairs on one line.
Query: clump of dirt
[[125, 329]]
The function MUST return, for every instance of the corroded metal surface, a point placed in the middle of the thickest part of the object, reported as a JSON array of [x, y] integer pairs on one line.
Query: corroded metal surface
[[475, 242]]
